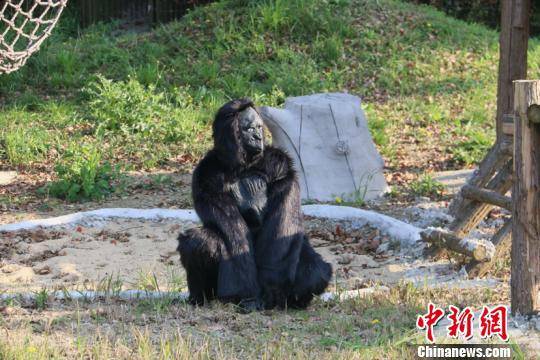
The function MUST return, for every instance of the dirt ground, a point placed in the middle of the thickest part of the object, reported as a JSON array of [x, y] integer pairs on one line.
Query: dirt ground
[[20, 201], [121, 254], [142, 255]]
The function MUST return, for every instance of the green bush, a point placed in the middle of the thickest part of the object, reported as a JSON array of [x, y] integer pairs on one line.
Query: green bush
[[82, 175], [132, 110], [125, 106], [472, 149]]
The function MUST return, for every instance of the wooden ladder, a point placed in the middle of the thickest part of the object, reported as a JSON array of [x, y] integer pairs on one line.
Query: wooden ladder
[[485, 189]]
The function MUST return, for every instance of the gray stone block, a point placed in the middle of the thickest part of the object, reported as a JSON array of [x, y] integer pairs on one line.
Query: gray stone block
[[329, 140]]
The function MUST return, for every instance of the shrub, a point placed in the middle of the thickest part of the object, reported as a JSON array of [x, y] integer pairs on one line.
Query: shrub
[[82, 175], [125, 106], [473, 148], [131, 109]]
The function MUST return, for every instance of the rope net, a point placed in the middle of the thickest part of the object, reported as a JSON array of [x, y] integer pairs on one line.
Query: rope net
[[24, 25]]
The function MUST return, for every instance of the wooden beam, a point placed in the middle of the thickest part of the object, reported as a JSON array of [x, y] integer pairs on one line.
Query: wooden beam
[[496, 158], [472, 211], [533, 113], [525, 283], [479, 250], [501, 240], [468, 213], [486, 196], [513, 54]]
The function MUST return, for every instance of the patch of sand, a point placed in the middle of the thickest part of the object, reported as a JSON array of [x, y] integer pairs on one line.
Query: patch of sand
[[133, 251], [141, 253]]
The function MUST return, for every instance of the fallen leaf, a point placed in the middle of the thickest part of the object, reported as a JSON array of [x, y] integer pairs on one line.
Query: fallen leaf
[[338, 231], [43, 271]]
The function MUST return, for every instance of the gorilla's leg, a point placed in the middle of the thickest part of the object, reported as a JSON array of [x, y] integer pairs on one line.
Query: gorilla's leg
[[312, 277], [200, 251]]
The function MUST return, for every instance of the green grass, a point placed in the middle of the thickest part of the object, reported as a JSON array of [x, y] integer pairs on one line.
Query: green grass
[[377, 327], [147, 99], [427, 186], [82, 175], [41, 299]]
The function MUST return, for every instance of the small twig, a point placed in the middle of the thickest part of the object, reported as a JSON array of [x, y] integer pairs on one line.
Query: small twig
[[131, 228]]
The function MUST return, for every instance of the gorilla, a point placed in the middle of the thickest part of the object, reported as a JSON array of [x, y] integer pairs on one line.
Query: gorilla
[[251, 249]]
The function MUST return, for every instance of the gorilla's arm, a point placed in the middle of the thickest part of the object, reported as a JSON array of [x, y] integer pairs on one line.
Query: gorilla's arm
[[237, 278], [279, 241]]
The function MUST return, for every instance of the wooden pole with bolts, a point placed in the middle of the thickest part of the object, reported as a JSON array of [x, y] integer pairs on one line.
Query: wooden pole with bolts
[[525, 281]]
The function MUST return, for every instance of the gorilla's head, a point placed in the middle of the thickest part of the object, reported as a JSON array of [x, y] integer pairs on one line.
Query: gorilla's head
[[238, 132], [251, 130]]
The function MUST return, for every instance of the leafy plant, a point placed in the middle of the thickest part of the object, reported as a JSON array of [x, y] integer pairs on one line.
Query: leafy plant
[[147, 117], [358, 196], [82, 175], [329, 49], [42, 297], [125, 106], [110, 285], [427, 186], [472, 149]]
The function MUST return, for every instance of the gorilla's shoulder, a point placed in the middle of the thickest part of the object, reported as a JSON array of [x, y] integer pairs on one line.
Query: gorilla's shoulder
[[274, 154], [278, 163], [209, 159], [209, 165]]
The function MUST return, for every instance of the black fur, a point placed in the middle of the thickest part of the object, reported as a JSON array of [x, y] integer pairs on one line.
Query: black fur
[[252, 249]]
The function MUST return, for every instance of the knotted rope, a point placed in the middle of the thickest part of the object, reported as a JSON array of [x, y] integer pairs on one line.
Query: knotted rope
[[24, 25]]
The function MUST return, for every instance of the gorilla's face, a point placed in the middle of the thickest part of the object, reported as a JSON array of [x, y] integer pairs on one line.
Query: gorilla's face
[[252, 131]]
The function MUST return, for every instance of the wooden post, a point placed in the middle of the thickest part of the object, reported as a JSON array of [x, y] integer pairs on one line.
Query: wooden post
[[513, 54], [525, 282]]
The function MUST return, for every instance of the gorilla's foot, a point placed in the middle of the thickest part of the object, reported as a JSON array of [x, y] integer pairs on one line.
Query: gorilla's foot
[[246, 306]]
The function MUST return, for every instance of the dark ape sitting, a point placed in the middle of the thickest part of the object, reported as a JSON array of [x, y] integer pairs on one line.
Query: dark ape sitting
[[252, 249]]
